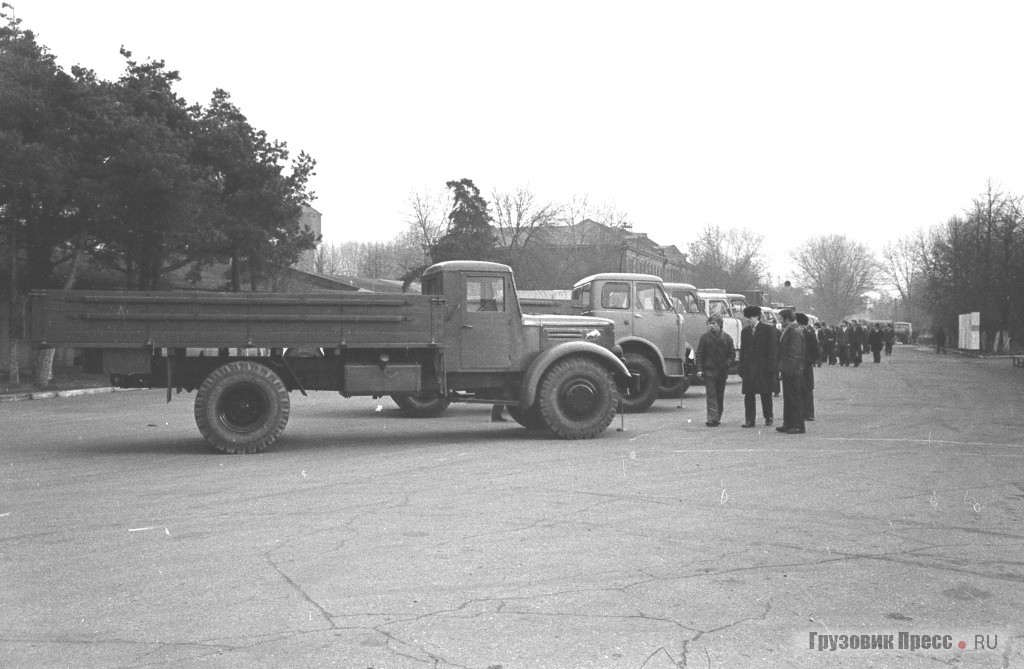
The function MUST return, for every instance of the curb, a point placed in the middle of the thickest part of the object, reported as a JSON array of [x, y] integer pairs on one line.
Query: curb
[[51, 394]]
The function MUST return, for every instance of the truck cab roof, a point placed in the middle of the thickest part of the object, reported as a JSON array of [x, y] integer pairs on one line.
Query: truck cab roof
[[466, 266], [619, 276]]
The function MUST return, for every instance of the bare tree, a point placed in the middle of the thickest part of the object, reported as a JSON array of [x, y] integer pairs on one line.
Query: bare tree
[[839, 271], [729, 259], [975, 263], [518, 217], [328, 259], [903, 267], [579, 244], [428, 218]]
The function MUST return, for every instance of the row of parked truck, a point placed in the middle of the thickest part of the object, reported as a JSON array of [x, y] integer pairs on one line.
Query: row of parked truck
[[620, 342]]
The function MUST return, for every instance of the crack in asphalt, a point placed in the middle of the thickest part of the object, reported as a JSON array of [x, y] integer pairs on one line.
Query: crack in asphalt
[[324, 613]]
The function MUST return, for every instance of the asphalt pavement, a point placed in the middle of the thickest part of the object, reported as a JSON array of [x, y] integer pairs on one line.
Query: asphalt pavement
[[887, 536]]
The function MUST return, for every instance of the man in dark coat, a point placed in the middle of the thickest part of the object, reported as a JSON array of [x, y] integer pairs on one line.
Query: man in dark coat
[[940, 340], [843, 344], [812, 353], [791, 366], [759, 366], [715, 354], [828, 344], [858, 340], [890, 338], [876, 340]]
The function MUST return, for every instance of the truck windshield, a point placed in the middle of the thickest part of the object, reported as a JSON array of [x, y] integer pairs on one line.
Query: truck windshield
[[581, 297], [686, 302], [649, 296]]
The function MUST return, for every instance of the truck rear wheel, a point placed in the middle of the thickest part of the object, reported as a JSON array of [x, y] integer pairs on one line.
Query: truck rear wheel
[[577, 398], [647, 385], [421, 405], [530, 417], [242, 407]]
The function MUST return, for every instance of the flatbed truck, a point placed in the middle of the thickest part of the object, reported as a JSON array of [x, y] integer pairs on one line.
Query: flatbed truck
[[464, 339]]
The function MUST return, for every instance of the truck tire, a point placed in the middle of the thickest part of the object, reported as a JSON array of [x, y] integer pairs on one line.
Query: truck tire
[[242, 407], [647, 385], [421, 405], [672, 388], [530, 417], [577, 398]]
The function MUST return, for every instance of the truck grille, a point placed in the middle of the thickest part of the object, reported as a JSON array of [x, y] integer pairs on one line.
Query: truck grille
[[567, 333]]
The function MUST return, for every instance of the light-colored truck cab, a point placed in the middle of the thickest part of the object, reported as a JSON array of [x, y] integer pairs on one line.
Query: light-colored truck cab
[[697, 304], [737, 302], [647, 327]]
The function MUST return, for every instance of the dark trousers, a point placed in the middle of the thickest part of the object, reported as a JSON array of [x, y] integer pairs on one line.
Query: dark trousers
[[877, 355], [858, 355], [793, 400], [844, 355], [750, 407], [808, 396], [714, 388]]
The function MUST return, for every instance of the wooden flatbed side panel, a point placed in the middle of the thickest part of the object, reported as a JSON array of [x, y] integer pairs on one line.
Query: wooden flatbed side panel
[[211, 320]]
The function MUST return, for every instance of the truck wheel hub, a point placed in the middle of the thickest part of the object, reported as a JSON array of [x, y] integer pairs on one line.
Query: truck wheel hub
[[242, 408], [579, 398]]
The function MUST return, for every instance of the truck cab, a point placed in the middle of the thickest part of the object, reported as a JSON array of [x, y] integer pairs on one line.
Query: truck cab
[[647, 327], [697, 304]]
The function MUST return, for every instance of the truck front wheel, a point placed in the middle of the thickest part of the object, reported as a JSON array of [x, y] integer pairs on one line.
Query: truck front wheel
[[530, 418], [421, 405], [242, 407], [577, 398], [647, 386]]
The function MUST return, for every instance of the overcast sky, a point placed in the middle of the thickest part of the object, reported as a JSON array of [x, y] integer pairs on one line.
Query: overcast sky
[[792, 119]]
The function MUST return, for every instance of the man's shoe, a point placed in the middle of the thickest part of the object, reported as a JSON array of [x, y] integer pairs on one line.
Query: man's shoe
[[782, 428], [712, 423], [748, 424], [810, 418], [795, 430], [768, 420]]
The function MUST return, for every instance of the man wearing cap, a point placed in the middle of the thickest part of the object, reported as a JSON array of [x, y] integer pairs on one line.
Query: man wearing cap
[[858, 340], [791, 366], [715, 353], [812, 354], [758, 366], [843, 343]]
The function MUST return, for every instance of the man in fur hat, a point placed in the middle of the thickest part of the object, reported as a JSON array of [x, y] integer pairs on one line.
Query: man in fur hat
[[759, 366]]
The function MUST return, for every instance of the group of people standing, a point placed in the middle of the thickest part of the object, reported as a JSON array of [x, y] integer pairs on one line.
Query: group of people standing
[[769, 358], [847, 343]]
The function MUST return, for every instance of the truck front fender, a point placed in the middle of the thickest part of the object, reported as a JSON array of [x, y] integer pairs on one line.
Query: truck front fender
[[528, 386], [645, 345]]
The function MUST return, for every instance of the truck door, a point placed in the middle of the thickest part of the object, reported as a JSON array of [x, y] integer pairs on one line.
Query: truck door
[[486, 324], [655, 320]]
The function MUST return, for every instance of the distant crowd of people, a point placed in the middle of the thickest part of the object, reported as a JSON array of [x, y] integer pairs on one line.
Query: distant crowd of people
[[847, 343], [773, 359]]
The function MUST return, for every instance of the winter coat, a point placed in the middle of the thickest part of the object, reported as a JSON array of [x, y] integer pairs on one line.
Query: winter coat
[[811, 353], [715, 353], [858, 337], [842, 336], [759, 359], [876, 339], [791, 350]]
